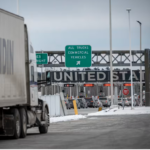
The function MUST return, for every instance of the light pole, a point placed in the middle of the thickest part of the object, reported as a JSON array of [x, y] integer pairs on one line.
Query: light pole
[[141, 62], [111, 67], [18, 7], [130, 58]]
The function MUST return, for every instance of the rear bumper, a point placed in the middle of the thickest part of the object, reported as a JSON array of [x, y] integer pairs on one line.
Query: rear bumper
[[105, 104], [90, 105]]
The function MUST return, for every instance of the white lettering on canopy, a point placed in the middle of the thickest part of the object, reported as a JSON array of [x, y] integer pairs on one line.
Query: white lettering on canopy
[[82, 75], [133, 76], [55, 77], [123, 75], [115, 76], [143, 75], [68, 76], [76, 77], [98, 77], [91, 76]]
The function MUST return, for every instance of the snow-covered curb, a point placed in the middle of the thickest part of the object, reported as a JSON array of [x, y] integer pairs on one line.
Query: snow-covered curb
[[66, 118], [126, 111]]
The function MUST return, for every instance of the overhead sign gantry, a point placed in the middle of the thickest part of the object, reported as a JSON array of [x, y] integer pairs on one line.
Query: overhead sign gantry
[[100, 58]]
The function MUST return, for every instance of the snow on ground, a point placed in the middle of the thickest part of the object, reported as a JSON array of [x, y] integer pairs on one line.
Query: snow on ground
[[113, 111], [120, 111], [66, 118]]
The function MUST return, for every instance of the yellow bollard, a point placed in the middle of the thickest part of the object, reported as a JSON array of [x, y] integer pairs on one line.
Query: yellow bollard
[[75, 107], [100, 108]]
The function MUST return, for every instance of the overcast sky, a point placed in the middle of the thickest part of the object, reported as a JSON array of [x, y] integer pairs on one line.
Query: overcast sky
[[53, 24]]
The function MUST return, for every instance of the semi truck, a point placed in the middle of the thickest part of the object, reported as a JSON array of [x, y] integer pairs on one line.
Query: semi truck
[[20, 107]]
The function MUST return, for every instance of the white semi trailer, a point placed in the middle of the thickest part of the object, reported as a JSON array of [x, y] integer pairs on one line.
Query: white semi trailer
[[20, 107]]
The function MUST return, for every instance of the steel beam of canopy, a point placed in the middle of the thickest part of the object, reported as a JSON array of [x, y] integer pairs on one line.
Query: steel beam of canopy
[[100, 58]]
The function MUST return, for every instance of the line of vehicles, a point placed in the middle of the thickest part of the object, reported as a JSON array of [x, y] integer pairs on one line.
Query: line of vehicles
[[101, 101], [87, 102]]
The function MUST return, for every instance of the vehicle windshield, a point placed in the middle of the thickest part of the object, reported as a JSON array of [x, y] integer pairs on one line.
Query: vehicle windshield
[[80, 100], [88, 99]]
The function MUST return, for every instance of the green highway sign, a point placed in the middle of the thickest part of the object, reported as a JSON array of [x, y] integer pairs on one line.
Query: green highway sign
[[78, 56], [41, 58]]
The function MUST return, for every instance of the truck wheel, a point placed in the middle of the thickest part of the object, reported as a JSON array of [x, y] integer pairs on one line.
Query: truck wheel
[[44, 128], [17, 129], [23, 121]]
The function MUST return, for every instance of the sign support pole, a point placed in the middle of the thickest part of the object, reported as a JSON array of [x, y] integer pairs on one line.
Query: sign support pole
[[42, 75]]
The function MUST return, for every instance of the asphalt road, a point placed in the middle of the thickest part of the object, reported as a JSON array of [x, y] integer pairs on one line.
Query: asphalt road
[[109, 132], [83, 111]]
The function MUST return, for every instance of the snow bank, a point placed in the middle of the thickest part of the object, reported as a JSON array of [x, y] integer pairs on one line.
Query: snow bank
[[120, 111], [66, 118]]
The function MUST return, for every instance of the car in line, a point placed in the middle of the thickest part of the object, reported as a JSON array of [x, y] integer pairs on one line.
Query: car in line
[[82, 102], [129, 100], [68, 106], [90, 102], [71, 103], [78, 104], [126, 102], [105, 101], [143, 98], [98, 103], [135, 101]]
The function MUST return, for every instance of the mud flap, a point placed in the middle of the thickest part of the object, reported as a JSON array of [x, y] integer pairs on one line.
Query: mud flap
[[8, 128]]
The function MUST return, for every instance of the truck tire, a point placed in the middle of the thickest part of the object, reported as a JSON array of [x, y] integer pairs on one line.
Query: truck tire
[[44, 128], [17, 129], [23, 122]]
